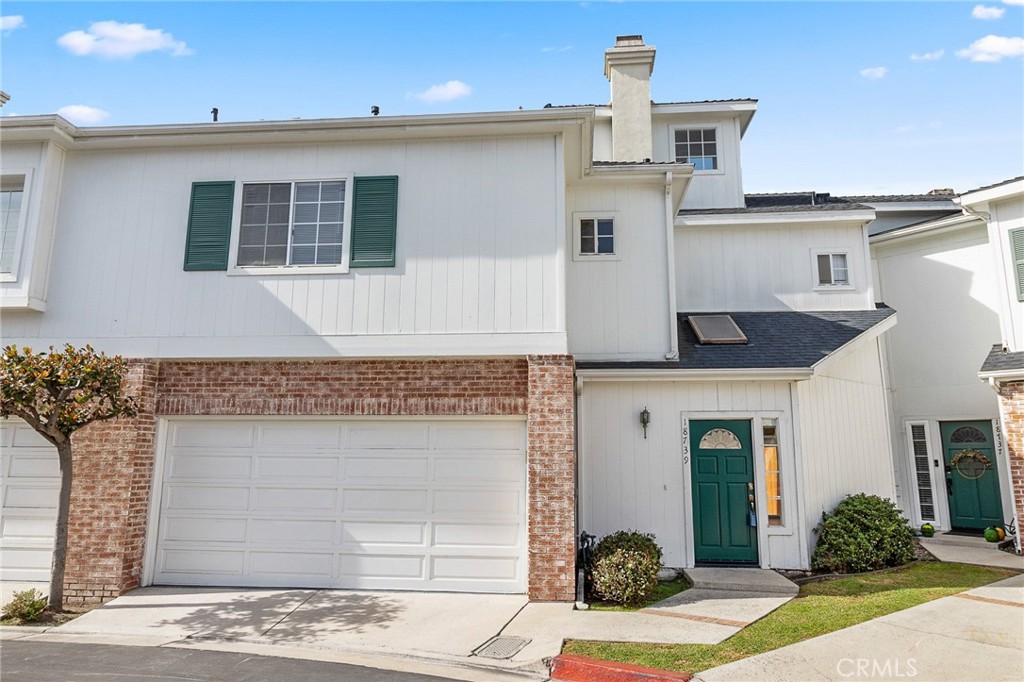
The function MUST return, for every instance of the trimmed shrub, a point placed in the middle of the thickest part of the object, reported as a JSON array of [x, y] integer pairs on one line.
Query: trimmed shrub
[[25, 607], [863, 533], [625, 567]]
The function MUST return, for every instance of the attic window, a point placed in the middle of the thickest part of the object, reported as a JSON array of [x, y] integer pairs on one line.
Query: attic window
[[716, 329]]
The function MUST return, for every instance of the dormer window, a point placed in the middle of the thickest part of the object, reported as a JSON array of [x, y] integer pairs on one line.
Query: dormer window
[[698, 146]]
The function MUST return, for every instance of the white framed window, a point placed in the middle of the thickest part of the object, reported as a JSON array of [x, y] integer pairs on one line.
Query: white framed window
[[698, 146], [594, 236], [13, 210], [832, 269], [772, 470], [292, 225], [922, 463]]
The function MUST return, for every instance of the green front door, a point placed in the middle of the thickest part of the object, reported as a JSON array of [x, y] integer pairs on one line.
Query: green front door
[[722, 474], [972, 479]]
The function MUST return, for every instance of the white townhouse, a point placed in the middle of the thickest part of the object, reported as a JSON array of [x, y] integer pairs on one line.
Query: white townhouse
[[425, 352]]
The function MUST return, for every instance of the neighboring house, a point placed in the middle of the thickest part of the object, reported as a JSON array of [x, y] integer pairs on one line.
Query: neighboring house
[[947, 264], [425, 352]]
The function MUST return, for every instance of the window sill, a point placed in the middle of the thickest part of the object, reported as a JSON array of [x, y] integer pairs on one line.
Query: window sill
[[825, 288], [717, 171], [584, 258], [285, 270]]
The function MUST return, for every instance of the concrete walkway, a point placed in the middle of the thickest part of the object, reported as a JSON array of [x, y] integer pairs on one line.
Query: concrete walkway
[[976, 635], [966, 549]]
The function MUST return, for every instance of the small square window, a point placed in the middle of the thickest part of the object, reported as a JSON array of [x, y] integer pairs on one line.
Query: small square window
[[596, 236], [833, 270], [697, 146]]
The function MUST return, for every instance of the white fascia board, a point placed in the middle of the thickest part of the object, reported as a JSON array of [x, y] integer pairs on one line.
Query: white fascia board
[[47, 128], [867, 335], [694, 374], [723, 219], [304, 130], [937, 226], [743, 110], [640, 171], [1002, 376], [997, 193]]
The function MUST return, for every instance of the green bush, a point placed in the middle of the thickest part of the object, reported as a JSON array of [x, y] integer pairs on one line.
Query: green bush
[[863, 533], [25, 607], [625, 567]]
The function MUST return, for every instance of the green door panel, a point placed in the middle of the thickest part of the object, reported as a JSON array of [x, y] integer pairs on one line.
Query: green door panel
[[722, 477], [972, 476]]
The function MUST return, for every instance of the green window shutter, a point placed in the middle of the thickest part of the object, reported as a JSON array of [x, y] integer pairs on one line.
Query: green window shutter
[[1017, 251], [374, 221], [209, 225]]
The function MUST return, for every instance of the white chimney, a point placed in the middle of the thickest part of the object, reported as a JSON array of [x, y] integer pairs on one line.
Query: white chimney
[[628, 66]]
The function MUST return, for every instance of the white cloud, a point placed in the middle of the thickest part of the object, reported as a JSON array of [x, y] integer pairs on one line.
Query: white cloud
[[114, 40], [875, 72], [993, 49], [557, 49], [1013, 2], [11, 22], [80, 113], [983, 12], [928, 56], [445, 92]]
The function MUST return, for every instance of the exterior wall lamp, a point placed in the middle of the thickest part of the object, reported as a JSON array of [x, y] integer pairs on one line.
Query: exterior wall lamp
[[645, 420]]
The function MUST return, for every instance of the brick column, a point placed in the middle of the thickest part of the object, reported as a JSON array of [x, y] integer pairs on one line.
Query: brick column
[[551, 464], [1011, 397], [113, 472]]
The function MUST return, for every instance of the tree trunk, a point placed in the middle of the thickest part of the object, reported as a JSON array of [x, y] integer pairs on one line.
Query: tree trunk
[[60, 540]]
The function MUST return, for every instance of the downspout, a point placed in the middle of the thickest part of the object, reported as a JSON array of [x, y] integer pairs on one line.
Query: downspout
[[670, 264]]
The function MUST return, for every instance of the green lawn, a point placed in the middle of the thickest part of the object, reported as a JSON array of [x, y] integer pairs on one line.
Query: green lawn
[[662, 591], [821, 607]]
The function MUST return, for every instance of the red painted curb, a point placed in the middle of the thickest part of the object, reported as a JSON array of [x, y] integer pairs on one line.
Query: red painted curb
[[571, 668]]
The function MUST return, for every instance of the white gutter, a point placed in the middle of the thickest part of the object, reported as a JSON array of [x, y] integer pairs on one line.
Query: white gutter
[[998, 377], [788, 217], [767, 374], [670, 265]]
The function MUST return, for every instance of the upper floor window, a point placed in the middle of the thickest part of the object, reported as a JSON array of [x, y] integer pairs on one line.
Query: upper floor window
[[594, 237], [12, 189], [292, 223], [832, 270], [1017, 256], [698, 146]]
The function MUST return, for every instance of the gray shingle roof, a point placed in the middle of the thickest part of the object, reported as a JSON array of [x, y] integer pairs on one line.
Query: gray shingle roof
[[897, 198], [994, 184], [776, 340], [781, 208], [1001, 360]]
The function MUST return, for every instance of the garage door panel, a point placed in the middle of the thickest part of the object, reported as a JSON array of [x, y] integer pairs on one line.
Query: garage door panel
[[207, 498], [379, 504], [24, 436], [297, 468], [200, 561], [283, 564], [39, 527], [29, 487], [206, 466], [471, 502], [383, 468], [382, 566], [214, 435], [389, 436], [292, 531], [476, 535], [311, 435], [199, 529], [477, 471], [473, 568], [32, 495], [385, 501], [508, 436], [302, 499], [42, 465]]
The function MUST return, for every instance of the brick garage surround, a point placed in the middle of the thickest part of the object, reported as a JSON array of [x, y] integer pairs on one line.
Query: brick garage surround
[[1011, 397], [114, 460]]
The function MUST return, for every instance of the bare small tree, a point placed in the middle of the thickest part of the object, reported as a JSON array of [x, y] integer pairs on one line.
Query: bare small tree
[[57, 393]]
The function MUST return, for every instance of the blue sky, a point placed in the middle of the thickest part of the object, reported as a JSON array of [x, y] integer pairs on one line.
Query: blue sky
[[855, 97]]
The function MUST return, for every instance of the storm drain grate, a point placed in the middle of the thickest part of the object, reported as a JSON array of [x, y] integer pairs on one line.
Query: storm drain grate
[[502, 647]]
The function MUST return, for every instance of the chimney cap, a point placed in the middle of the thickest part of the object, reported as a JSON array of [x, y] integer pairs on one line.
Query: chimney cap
[[629, 41]]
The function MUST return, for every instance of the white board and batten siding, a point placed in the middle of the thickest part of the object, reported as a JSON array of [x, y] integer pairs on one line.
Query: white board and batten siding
[[29, 487], [617, 308], [844, 433], [768, 267], [479, 268], [629, 482], [375, 504]]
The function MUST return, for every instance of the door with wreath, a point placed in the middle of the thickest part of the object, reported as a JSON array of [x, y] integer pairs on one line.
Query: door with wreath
[[972, 479]]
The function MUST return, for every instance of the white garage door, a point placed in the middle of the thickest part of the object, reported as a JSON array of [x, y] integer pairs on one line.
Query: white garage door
[[29, 487], [381, 504]]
